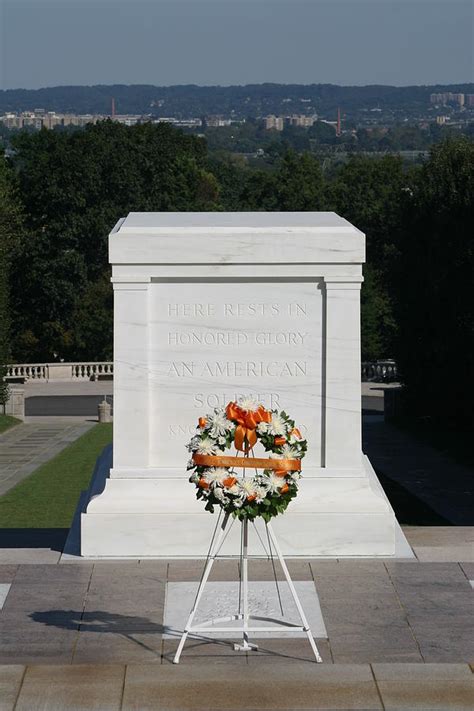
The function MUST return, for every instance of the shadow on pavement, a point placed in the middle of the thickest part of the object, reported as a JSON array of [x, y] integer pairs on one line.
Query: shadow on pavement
[[408, 508], [53, 538]]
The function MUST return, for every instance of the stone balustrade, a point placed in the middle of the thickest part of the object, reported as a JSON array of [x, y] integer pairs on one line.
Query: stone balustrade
[[379, 371], [27, 371], [47, 372]]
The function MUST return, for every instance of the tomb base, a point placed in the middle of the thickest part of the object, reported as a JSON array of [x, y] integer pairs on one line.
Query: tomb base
[[337, 513]]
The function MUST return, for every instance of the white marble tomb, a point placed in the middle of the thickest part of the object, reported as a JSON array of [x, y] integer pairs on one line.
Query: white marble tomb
[[211, 306]]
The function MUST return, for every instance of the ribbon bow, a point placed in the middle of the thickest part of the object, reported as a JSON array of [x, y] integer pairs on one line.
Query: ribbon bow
[[247, 421]]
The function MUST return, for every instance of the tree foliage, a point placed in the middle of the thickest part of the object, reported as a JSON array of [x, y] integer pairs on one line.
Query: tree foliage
[[10, 231], [435, 306], [75, 186], [370, 193], [416, 301]]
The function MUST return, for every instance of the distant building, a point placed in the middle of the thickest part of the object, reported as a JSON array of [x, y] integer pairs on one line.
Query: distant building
[[129, 119], [301, 120], [217, 121], [180, 123], [39, 118], [447, 97], [274, 122], [469, 99]]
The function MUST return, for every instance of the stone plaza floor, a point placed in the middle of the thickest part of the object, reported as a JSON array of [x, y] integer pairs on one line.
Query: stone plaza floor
[[395, 635], [95, 636]]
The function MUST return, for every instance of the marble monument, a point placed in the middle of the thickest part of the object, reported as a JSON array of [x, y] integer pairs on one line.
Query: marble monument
[[211, 306]]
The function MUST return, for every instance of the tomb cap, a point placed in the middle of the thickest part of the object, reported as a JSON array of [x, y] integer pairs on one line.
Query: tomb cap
[[235, 238]]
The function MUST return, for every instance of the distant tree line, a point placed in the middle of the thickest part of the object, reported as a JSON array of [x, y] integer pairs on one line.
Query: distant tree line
[[251, 136], [62, 192], [241, 101]]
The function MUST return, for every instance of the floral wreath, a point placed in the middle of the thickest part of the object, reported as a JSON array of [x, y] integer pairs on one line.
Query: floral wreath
[[243, 424]]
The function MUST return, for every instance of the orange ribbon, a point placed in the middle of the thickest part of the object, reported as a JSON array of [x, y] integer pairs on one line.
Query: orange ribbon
[[281, 466], [245, 432]]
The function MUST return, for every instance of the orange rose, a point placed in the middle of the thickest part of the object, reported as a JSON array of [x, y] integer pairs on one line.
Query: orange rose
[[280, 440], [230, 481], [296, 433], [202, 422], [203, 484], [284, 489]]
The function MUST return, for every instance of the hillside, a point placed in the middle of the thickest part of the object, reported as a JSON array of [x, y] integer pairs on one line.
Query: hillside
[[241, 101]]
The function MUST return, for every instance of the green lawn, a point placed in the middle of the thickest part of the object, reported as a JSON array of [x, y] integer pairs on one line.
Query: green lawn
[[48, 497], [7, 421]]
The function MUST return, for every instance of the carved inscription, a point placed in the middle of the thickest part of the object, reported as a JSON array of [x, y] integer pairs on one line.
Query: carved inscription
[[215, 342], [202, 337]]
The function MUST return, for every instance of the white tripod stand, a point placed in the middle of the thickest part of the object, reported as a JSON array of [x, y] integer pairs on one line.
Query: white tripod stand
[[243, 613]]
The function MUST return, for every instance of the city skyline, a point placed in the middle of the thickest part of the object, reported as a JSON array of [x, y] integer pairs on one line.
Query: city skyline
[[206, 42]]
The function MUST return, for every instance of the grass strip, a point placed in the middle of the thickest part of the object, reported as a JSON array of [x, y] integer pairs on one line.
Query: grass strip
[[48, 497], [7, 421]]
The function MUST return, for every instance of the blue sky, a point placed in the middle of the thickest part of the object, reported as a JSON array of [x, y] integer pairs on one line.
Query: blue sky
[[163, 42]]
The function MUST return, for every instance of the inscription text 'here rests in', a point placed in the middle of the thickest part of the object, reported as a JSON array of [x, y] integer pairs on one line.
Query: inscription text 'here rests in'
[[265, 341]]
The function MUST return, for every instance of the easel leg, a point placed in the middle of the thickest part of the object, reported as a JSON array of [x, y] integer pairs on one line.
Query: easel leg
[[246, 645], [210, 562], [294, 594]]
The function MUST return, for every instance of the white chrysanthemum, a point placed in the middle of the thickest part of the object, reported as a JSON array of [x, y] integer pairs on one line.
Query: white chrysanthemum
[[194, 443], [220, 495], [247, 486], [207, 446], [260, 493], [275, 482], [221, 440], [191, 464], [275, 455], [290, 452], [216, 475], [218, 424], [263, 427], [277, 426], [294, 476], [248, 403]]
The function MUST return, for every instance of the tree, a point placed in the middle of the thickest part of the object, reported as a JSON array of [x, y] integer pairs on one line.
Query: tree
[[259, 191], [93, 337], [74, 187], [10, 230], [299, 183], [435, 307], [369, 192]]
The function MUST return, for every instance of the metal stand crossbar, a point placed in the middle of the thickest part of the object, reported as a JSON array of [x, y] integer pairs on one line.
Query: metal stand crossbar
[[243, 614]]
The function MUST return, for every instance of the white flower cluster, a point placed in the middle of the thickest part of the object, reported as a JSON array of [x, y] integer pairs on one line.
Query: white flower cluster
[[277, 426], [212, 436], [232, 491]]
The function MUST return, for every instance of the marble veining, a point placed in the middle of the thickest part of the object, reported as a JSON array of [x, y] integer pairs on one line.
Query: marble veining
[[208, 306]]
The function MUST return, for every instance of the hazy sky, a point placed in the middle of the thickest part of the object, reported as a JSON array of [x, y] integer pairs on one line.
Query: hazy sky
[[51, 42]]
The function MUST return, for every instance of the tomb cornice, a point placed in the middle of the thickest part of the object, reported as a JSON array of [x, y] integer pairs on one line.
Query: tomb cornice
[[235, 239]]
